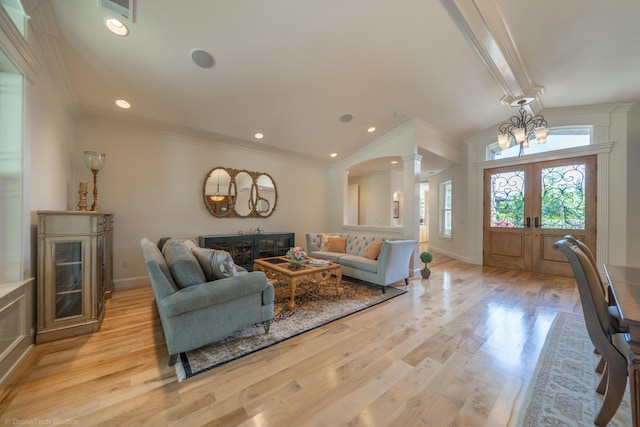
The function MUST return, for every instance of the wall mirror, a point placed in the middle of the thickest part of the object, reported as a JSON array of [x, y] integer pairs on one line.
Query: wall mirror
[[237, 193]]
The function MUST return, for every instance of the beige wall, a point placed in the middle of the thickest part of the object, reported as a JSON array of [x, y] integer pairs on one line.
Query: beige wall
[[152, 182]]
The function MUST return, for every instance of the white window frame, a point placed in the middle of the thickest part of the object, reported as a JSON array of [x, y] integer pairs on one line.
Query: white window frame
[[445, 201]]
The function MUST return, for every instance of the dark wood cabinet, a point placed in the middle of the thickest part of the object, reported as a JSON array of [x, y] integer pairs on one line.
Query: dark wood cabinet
[[244, 248]]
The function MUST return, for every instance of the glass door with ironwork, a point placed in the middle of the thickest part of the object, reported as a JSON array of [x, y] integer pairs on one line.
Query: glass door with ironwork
[[529, 207]]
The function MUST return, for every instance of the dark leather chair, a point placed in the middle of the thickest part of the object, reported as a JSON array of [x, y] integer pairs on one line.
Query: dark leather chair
[[610, 345]]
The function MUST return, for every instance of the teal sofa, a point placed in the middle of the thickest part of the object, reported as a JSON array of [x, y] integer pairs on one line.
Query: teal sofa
[[195, 314], [389, 266]]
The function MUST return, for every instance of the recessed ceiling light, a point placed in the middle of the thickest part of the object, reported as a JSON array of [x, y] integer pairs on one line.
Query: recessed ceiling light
[[394, 162], [123, 104], [116, 26], [258, 135], [371, 129], [334, 154]]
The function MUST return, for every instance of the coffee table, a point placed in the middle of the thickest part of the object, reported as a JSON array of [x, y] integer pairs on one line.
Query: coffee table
[[283, 269]]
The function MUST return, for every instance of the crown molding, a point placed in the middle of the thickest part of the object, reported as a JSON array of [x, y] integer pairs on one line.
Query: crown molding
[[483, 25], [14, 45]]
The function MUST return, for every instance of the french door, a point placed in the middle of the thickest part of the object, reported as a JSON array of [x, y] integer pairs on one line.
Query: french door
[[527, 208]]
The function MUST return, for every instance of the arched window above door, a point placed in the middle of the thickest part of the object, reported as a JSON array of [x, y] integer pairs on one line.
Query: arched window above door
[[560, 138]]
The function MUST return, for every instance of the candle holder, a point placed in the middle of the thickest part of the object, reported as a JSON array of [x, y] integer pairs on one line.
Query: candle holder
[[94, 161], [82, 192]]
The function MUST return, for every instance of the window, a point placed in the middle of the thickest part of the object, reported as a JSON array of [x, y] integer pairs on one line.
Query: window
[[445, 194], [10, 175], [11, 197], [559, 138]]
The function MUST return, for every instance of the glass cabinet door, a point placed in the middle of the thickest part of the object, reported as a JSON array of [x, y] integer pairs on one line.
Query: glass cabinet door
[[68, 278], [284, 243], [267, 248]]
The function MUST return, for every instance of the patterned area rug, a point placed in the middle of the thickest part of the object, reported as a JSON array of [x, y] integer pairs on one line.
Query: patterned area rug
[[562, 390], [316, 305]]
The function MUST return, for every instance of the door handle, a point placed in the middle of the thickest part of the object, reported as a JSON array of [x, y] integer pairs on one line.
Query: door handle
[[528, 222], [536, 222]]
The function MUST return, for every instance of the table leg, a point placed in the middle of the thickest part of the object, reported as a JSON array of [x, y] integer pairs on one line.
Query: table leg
[[293, 283], [634, 385], [338, 280]]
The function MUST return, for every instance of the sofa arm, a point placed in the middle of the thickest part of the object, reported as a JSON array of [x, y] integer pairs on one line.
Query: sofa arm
[[394, 258], [212, 293]]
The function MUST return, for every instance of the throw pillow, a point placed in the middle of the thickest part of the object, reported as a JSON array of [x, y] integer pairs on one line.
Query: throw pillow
[[184, 267], [373, 250], [337, 244], [324, 242], [216, 264], [162, 241], [190, 242]]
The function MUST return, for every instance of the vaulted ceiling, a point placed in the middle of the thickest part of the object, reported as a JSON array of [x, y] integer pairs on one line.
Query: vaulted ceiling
[[290, 69]]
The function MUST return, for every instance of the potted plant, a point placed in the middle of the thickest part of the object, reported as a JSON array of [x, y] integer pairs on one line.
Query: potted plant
[[426, 257]]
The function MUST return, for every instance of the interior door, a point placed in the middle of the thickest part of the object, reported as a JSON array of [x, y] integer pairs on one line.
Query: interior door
[[529, 207]]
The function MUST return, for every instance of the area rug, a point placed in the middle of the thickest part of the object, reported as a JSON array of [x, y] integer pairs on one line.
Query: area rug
[[316, 305], [562, 390]]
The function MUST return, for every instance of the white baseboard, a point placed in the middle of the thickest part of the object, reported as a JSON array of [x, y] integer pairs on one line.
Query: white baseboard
[[131, 282], [455, 256]]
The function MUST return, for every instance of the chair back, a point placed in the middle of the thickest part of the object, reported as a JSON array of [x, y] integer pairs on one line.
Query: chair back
[[587, 251], [594, 305]]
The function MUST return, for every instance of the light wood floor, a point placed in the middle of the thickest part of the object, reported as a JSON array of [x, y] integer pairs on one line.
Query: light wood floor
[[458, 349]]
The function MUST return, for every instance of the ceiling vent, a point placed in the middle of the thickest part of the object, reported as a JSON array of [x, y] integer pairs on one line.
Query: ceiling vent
[[122, 8]]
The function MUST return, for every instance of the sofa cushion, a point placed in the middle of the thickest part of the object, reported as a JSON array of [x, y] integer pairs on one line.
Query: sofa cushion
[[337, 244], [359, 262], [184, 266], [216, 264], [373, 250], [330, 256]]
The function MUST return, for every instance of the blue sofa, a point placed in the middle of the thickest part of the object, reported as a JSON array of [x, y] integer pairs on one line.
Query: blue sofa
[[195, 310], [389, 266]]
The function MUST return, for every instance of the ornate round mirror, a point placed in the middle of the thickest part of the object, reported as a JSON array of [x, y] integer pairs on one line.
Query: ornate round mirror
[[244, 190], [267, 195], [216, 191], [239, 193]]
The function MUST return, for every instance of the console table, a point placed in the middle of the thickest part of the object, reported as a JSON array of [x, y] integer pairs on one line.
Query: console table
[[245, 248]]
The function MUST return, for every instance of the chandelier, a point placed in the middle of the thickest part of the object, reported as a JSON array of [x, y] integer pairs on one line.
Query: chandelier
[[520, 128], [217, 197]]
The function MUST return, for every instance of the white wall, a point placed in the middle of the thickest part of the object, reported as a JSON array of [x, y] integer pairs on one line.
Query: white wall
[[456, 245], [375, 199], [152, 182]]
